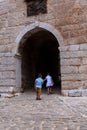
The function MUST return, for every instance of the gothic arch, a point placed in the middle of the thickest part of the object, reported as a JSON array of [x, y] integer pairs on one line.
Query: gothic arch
[[36, 25], [23, 36]]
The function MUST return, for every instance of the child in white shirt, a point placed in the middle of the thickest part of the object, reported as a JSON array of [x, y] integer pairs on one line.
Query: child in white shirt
[[49, 83]]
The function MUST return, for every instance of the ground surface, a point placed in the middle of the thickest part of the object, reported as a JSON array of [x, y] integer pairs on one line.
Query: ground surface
[[53, 112]]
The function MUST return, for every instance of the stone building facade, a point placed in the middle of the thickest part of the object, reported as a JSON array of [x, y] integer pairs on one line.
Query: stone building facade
[[54, 41]]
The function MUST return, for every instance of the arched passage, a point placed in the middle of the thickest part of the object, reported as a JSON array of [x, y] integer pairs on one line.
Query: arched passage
[[39, 54], [38, 46]]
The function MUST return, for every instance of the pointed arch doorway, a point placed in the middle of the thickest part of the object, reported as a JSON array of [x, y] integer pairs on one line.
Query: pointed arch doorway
[[39, 54], [39, 50]]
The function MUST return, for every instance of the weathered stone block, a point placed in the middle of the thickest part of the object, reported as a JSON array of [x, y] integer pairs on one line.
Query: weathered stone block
[[84, 92], [70, 85], [74, 93], [84, 61], [74, 48], [7, 67], [83, 46], [8, 74], [74, 77], [75, 54], [71, 62], [83, 69], [8, 60], [69, 69], [7, 82]]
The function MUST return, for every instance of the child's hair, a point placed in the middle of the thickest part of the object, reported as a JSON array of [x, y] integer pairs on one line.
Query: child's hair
[[39, 75], [48, 73]]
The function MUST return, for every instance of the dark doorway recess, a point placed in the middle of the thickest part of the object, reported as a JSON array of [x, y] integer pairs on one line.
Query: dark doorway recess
[[40, 54]]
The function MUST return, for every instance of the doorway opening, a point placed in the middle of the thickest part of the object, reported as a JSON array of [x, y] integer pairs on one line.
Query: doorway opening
[[40, 54]]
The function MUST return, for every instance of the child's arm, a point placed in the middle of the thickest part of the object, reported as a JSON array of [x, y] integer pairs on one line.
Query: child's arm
[[44, 79]]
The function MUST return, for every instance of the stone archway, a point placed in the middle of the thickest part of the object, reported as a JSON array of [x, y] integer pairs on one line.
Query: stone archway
[[23, 35], [24, 40]]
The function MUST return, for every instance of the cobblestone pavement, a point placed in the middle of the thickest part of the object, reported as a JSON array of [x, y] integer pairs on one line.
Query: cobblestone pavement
[[53, 112]]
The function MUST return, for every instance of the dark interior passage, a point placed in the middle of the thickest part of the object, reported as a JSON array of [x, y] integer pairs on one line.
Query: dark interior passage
[[40, 54]]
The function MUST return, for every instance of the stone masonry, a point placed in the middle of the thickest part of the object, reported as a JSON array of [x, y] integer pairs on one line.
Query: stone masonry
[[66, 19]]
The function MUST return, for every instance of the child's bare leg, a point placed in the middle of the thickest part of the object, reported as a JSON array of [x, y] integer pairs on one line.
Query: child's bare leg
[[48, 90], [38, 96]]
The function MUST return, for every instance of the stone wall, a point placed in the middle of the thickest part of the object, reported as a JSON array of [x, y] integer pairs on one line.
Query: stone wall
[[7, 71], [74, 66], [66, 16]]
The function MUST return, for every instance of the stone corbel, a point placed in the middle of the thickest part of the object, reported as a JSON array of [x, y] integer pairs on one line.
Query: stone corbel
[[18, 56]]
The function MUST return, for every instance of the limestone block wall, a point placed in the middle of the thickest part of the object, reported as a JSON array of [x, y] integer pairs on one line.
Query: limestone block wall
[[74, 66], [7, 71], [66, 16]]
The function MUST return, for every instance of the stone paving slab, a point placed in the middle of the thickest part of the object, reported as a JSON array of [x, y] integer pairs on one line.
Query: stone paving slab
[[53, 112]]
